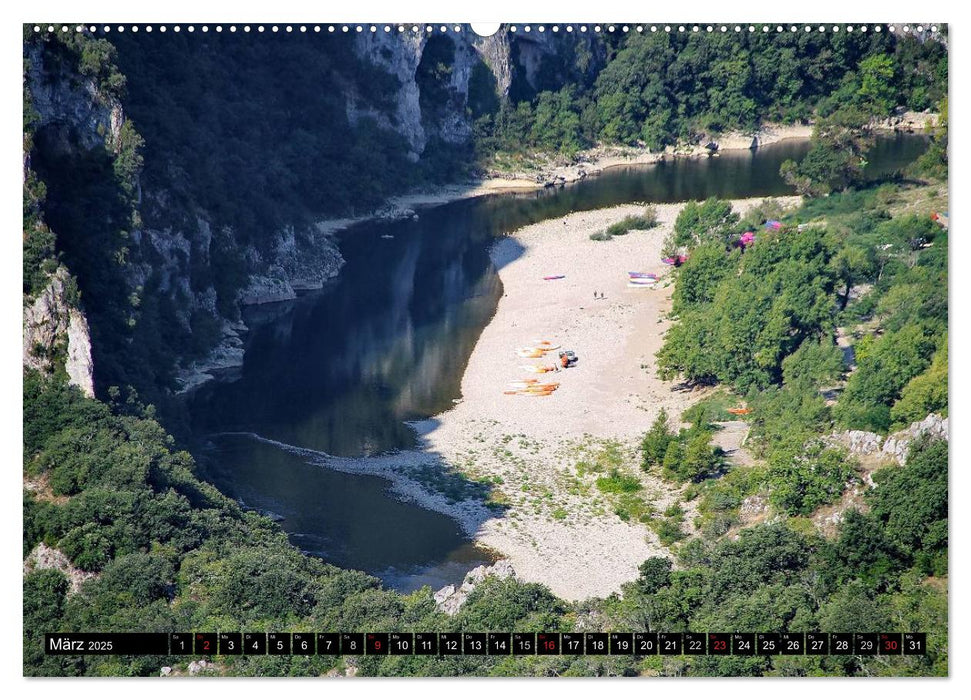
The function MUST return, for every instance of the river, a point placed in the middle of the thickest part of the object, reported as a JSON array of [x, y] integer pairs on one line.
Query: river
[[344, 369]]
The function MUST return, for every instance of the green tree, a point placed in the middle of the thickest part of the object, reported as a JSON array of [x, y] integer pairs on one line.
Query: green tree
[[933, 162], [926, 393], [695, 460], [655, 444], [911, 502], [877, 91], [815, 363], [699, 222], [835, 160], [803, 481], [655, 574], [883, 371], [699, 277]]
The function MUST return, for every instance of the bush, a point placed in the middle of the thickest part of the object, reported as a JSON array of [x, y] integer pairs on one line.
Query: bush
[[655, 443], [911, 502], [642, 222], [804, 481], [668, 531], [883, 370], [694, 459], [618, 483], [655, 574]]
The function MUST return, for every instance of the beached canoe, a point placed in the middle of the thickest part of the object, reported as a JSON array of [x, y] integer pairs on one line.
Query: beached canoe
[[635, 285], [523, 383], [539, 390]]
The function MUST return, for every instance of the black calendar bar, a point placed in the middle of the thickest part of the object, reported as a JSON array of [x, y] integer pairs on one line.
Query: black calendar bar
[[488, 643]]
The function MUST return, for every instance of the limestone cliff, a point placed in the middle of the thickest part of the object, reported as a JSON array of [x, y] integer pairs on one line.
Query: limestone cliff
[[74, 118], [402, 55], [513, 59], [56, 334], [179, 259]]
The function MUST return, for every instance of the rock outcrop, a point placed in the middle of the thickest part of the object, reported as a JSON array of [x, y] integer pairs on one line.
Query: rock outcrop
[[44, 557], [507, 56], [55, 332], [82, 115], [400, 55], [449, 598], [895, 446]]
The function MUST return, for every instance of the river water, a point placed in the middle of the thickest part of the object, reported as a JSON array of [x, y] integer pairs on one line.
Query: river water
[[342, 370]]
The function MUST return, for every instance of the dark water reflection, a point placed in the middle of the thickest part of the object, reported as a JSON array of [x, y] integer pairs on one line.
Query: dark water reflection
[[340, 370]]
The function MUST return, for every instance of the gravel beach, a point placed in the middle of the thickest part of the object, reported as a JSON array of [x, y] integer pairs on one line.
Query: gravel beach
[[557, 529]]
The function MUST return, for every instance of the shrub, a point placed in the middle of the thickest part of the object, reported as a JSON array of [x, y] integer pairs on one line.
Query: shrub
[[641, 222], [618, 483], [655, 443], [815, 476]]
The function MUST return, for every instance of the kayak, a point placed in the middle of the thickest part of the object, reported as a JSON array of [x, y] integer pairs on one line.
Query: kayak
[[543, 390], [636, 285], [642, 275], [554, 277], [539, 369], [522, 383]]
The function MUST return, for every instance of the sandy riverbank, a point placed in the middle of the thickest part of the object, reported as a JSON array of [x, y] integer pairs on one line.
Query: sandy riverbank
[[556, 528], [559, 530], [548, 170]]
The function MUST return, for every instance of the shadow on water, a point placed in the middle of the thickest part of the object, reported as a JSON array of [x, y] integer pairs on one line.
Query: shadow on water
[[342, 371], [354, 520]]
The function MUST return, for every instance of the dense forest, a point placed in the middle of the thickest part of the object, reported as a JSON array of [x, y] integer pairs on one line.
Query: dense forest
[[151, 547], [656, 89]]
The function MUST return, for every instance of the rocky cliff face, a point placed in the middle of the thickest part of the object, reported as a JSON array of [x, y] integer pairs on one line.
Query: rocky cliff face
[[401, 55], [895, 446], [81, 114], [434, 74], [75, 117], [521, 57], [55, 332]]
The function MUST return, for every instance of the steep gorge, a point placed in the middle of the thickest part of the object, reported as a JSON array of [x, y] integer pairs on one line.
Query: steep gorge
[[188, 176]]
